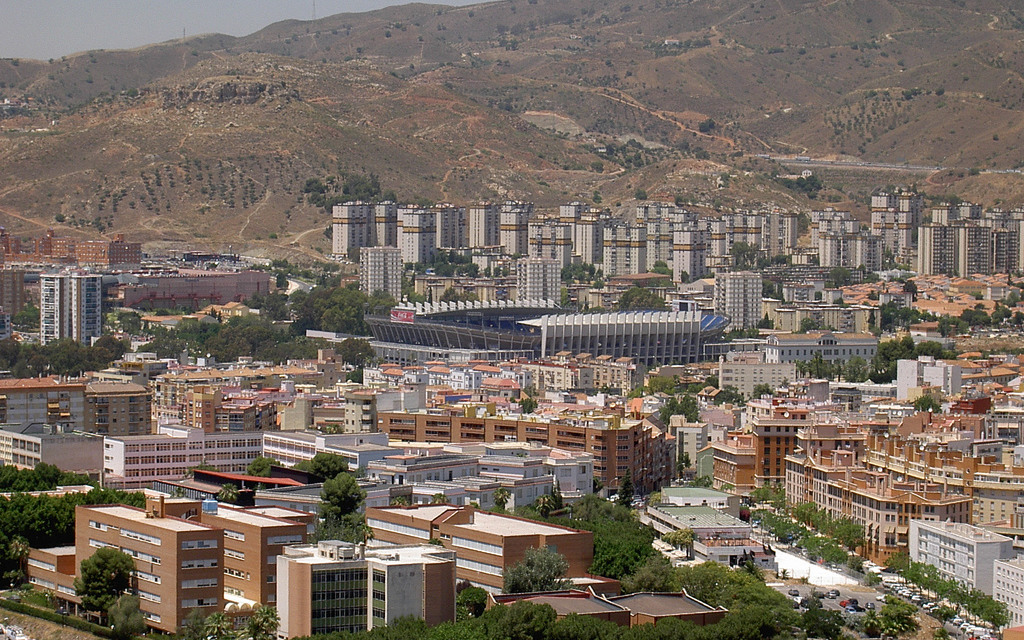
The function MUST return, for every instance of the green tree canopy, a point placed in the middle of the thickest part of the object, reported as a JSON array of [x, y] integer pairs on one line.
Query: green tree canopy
[[640, 299], [540, 570], [126, 620], [325, 465], [103, 578], [261, 467], [341, 496]]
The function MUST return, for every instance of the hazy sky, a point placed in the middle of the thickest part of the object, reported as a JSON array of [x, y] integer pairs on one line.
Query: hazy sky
[[51, 28]]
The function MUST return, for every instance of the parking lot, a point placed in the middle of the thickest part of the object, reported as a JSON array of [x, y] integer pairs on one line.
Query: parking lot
[[843, 594]]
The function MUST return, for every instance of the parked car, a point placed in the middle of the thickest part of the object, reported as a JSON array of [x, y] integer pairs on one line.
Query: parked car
[[793, 592], [844, 603], [854, 601], [832, 594], [870, 606], [817, 594]]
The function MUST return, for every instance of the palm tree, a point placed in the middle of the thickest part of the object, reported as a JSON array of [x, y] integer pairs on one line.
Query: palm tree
[[18, 551], [228, 493], [218, 627], [544, 505], [262, 624], [501, 497], [439, 498], [681, 539], [399, 501]]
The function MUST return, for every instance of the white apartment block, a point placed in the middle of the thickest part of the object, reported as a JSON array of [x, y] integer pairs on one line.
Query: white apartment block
[[794, 347], [364, 224], [450, 225], [417, 233], [551, 240], [385, 225], [1008, 588], [689, 252], [729, 229], [515, 227], [381, 269], [134, 462], [831, 221], [27, 445], [926, 370], [625, 249], [851, 250], [896, 217], [484, 225], [748, 369], [781, 230], [588, 236], [959, 551], [359, 449], [738, 297], [538, 279], [70, 306], [351, 223]]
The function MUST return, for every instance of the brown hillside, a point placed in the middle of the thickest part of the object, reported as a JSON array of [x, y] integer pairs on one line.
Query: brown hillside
[[212, 138]]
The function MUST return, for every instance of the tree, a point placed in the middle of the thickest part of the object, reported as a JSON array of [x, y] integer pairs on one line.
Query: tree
[[744, 255], [540, 570], [228, 493], [501, 497], [680, 538], [544, 505], [324, 465], [685, 406], [103, 577], [356, 352], [657, 575], [856, 370], [927, 403], [897, 617], [262, 624], [218, 627], [820, 623], [340, 496], [527, 405], [763, 389], [261, 467], [625, 496], [640, 299], [472, 600], [438, 498], [126, 620]]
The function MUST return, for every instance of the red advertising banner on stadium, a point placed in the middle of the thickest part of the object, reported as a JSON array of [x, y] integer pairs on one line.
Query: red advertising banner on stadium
[[403, 315]]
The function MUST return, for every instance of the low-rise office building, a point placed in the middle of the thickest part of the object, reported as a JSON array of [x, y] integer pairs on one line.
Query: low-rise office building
[[338, 586], [486, 543]]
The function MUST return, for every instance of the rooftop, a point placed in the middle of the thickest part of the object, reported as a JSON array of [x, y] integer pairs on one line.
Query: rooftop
[[662, 604], [701, 517], [692, 492], [139, 515]]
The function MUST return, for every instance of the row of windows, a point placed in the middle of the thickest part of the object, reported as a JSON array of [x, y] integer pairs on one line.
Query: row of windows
[[394, 527]]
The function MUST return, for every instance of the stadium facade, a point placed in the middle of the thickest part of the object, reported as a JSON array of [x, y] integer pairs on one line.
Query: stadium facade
[[541, 329]]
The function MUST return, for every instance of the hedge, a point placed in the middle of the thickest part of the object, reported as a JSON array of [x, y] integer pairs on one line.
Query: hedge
[[53, 616]]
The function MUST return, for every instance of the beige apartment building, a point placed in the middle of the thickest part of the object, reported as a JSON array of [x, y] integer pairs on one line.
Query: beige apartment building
[[485, 543], [188, 556], [619, 445], [118, 409], [992, 486]]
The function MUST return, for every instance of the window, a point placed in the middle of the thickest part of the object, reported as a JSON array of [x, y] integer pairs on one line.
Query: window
[[198, 544], [200, 563], [234, 535], [199, 583], [151, 597], [231, 553], [393, 527], [486, 547], [290, 539]]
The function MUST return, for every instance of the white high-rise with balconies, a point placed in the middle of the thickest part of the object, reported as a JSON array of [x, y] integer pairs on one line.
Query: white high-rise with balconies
[[538, 279], [380, 269], [738, 296], [70, 306]]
